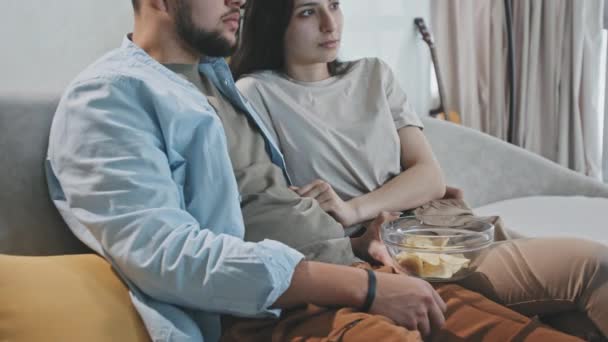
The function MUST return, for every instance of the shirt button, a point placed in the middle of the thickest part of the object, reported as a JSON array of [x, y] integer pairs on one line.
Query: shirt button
[[226, 82]]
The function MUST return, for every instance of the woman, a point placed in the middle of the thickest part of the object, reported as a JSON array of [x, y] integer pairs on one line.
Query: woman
[[359, 133], [352, 142]]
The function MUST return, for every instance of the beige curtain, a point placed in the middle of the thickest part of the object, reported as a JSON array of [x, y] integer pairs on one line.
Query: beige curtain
[[557, 53], [471, 49]]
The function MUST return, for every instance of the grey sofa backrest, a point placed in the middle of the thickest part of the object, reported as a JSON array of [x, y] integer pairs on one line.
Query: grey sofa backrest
[[29, 222], [491, 170], [486, 168]]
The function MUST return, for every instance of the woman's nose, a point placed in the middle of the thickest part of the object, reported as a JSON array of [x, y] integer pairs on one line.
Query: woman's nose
[[328, 22], [235, 3]]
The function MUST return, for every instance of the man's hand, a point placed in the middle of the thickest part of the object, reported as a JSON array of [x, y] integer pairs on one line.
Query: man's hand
[[330, 202], [453, 193], [369, 247], [410, 302]]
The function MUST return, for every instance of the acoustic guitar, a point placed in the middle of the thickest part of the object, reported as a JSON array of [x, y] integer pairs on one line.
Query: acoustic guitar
[[439, 112]]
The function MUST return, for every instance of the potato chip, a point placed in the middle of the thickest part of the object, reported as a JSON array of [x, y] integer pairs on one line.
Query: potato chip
[[426, 242], [430, 258], [439, 271], [456, 259], [411, 262], [432, 264]]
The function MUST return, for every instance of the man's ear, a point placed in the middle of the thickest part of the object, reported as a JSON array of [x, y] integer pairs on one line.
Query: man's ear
[[160, 5]]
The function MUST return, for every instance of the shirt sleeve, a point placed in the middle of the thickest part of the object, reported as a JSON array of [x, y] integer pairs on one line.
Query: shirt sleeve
[[401, 109], [116, 192]]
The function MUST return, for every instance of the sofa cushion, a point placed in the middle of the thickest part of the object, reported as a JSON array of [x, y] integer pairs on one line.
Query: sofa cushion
[[29, 222], [65, 298], [541, 216]]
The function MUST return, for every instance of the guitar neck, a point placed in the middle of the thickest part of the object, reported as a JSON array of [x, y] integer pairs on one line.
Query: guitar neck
[[439, 77]]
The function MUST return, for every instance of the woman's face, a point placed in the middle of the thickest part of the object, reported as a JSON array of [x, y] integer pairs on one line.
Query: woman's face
[[314, 32]]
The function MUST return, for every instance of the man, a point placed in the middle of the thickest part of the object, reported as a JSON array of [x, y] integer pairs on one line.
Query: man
[[138, 166]]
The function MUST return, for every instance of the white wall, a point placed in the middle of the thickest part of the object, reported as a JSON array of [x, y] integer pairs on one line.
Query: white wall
[[46, 43], [385, 29]]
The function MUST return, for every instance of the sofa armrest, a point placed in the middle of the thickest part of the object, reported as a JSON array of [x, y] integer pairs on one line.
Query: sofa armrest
[[490, 170]]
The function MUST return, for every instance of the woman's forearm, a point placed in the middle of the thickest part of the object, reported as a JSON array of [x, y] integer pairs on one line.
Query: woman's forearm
[[417, 185], [422, 180]]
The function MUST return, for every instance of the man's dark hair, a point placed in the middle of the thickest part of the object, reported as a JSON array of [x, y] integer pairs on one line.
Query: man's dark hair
[[262, 44], [135, 5]]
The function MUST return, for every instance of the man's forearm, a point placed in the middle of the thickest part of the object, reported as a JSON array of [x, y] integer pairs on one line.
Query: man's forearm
[[325, 285]]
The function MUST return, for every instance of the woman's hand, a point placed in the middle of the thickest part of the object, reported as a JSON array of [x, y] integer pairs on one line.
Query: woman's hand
[[453, 193], [369, 247], [343, 212]]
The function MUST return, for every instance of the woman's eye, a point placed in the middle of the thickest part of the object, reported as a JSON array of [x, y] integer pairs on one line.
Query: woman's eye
[[307, 13], [334, 5]]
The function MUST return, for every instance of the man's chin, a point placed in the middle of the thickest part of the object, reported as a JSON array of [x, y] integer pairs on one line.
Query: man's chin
[[231, 40], [224, 46]]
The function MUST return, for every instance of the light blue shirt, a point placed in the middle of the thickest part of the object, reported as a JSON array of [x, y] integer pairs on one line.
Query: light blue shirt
[[138, 167]]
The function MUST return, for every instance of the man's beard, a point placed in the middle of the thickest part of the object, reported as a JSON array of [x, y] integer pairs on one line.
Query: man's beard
[[208, 43]]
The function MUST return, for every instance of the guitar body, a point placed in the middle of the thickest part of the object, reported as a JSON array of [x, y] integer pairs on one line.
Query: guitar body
[[450, 116], [439, 113]]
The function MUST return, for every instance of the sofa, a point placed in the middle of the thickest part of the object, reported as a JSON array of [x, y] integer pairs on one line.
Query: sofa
[[56, 292], [534, 196]]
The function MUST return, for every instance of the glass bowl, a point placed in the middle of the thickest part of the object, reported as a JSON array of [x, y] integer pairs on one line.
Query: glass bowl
[[437, 253]]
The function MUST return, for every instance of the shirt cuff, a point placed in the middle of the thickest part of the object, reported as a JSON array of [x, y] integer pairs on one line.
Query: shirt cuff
[[281, 260]]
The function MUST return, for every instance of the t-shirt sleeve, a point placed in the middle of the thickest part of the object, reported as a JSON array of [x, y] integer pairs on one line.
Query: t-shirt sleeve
[[401, 109], [249, 88]]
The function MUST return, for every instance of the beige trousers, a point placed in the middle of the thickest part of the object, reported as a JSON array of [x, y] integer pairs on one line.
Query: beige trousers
[[564, 281]]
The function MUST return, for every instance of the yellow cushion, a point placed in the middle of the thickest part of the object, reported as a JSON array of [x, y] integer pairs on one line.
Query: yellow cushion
[[65, 298]]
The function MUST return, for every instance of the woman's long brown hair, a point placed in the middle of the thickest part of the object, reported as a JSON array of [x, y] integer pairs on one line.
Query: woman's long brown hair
[[262, 39]]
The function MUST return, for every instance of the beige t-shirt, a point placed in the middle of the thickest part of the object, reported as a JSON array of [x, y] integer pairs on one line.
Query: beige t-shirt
[[342, 130], [270, 209]]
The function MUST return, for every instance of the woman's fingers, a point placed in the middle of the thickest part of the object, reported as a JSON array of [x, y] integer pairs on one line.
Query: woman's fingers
[[306, 188], [316, 191], [325, 198]]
